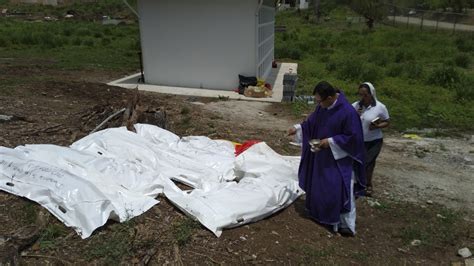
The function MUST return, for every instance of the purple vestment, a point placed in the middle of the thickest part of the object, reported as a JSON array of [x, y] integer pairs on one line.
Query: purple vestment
[[325, 180]]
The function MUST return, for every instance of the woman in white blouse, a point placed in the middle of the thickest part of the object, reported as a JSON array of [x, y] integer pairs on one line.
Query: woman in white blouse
[[374, 116]]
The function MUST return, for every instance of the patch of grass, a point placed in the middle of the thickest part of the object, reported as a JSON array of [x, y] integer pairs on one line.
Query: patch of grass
[[299, 108], [48, 238], [383, 205], [185, 110], [185, 121], [360, 256], [435, 228], [311, 255], [74, 44], [183, 230], [464, 43], [408, 68], [30, 212], [114, 247], [445, 76], [413, 232], [462, 60]]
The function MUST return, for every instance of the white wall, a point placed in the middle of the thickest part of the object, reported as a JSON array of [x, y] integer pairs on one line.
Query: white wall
[[204, 43], [303, 4]]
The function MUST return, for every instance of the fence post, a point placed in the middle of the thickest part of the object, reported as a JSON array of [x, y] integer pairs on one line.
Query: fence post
[[437, 22], [394, 14], [421, 25], [454, 26], [408, 19]]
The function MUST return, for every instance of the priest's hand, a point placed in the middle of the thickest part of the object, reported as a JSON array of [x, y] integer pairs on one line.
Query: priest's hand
[[291, 131], [324, 144]]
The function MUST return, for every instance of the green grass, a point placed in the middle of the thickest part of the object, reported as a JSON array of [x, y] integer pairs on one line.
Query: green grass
[[111, 249], [48, 238], [30, 212], [432, 230], [183, 230], [72, 44], [83, 10], [425, 79], [310, 255]]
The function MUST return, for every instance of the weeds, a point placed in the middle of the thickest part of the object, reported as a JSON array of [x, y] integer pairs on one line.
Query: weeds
[[445, 76], [408, 68], [49, 236], [301, 107], [310, 255], [360, 256], [30, 211], [75, 45], [114, 247], [183, 230], [438, 228], [185, 110], [462, 60]]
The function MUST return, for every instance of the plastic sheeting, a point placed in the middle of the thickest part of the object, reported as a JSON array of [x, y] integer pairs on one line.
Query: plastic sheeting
[[116, 174]]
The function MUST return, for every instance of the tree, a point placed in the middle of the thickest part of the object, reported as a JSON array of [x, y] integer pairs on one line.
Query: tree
[[372, 10], [455, 5], [317, 11]]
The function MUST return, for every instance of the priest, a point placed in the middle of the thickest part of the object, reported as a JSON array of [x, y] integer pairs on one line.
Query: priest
[[331, 171]]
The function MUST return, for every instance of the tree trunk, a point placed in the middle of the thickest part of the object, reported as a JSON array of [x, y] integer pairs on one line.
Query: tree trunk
[[370, 23], [317, 11]]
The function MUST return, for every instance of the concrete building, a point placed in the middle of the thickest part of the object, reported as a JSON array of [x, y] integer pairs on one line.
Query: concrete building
[[206, 43], [300, 4]]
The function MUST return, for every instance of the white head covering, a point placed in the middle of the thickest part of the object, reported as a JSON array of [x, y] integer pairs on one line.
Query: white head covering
[[372, 90]]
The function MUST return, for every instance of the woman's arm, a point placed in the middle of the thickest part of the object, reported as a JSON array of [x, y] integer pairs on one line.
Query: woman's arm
[[382, 124]]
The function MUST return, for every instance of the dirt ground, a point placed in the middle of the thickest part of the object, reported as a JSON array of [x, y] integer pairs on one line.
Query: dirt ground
[[424, 189]]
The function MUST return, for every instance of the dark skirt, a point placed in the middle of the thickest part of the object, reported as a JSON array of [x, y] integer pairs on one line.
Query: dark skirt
[[372, 150]]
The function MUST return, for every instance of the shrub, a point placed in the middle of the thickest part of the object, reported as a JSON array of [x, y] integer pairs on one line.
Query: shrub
[[67, 31], [288, 51], [88, 42], [83, 32], [465, 89], [324, 41], [107, 31], [349, 69], [27, 38], [295, 53], [370, 73], [462, 60], [105, 41], [464, 43], [3, 41], [379, 57], [134, 44], [98, 34], [305, 46], [394, 70], [445, 76], [48, 40], [331, 66], [76, 41], [402, 55], [324, 57], [293, 36], [414, 70]]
